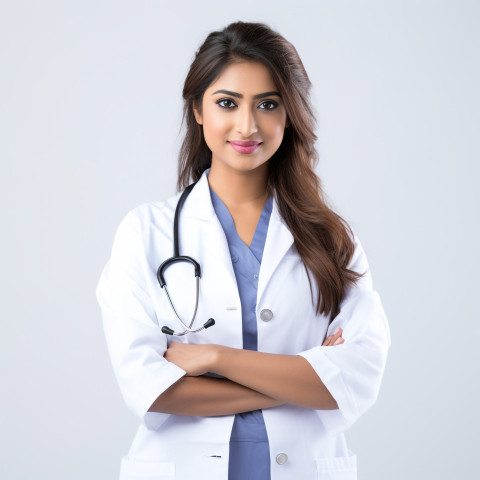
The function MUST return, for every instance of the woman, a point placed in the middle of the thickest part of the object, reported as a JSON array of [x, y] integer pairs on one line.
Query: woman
[[300, 339]]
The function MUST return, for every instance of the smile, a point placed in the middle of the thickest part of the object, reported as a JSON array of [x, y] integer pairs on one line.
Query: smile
[[245, 147]]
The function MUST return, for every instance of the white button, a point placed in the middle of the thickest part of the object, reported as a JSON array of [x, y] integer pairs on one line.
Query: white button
[[255, 276], [282, 458], [266, 315]]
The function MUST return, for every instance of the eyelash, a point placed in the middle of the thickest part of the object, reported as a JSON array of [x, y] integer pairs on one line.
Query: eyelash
[[275, 104]]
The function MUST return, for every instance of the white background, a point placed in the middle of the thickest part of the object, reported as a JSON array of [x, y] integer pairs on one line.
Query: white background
[[90, 109]]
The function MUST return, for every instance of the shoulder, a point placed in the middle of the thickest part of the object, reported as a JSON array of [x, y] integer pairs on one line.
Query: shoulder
[[141, 234], [359, 263], [156, 214]]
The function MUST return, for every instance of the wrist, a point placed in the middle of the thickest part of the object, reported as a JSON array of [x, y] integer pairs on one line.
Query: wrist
[[218, 359]]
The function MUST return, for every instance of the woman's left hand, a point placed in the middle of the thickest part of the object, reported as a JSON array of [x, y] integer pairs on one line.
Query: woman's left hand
[[335, 339], [194, 359]]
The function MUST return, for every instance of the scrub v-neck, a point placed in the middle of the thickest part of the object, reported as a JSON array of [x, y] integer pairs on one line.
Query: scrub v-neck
[[228, 224]]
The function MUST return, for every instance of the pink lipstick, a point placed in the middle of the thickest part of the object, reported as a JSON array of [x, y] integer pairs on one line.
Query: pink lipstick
[[244, 147]]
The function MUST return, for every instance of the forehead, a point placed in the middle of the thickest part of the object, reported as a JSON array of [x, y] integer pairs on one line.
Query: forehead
[[244, 77]]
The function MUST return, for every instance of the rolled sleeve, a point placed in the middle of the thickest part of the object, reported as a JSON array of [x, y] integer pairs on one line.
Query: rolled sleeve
[[135, 342], [353, 371]]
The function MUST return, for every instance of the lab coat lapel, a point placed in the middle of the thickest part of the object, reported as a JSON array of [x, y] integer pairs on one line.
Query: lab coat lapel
[[278, 242], [207, 240]]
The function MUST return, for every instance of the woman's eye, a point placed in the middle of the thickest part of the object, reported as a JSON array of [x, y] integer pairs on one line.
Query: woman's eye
[[225, 103], [270, 105]]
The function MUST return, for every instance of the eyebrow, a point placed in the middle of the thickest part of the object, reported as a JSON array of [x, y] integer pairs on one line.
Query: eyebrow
[[255, 97]]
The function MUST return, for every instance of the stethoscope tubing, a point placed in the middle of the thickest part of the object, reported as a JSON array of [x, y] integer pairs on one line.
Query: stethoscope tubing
[[188, 328], [181, 258]]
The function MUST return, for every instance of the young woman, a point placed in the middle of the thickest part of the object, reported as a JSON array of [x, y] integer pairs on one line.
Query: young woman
[[299, 342]]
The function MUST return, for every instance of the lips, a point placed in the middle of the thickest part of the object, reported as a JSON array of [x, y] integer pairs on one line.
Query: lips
[[245, 147], [245, 144]]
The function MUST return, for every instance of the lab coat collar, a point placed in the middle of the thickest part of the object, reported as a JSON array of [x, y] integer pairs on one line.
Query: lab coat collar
[[279, 238], [199, 203]]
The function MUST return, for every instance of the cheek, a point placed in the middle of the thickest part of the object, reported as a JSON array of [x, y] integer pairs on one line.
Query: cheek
[[214, 130], [276, 132], [276, 125]]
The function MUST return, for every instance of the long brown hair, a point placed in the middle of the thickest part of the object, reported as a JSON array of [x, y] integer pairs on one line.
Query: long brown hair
[[322, 238]]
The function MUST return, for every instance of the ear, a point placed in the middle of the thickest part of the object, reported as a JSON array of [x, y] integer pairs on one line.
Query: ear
[[198, 114]]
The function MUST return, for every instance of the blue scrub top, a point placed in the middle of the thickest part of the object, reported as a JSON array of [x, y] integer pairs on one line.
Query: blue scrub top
[[249, 449]]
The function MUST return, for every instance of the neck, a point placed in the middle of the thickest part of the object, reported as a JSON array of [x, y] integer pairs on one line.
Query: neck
[[239, 188]]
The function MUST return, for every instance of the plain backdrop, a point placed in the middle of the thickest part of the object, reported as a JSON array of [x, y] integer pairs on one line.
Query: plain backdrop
[[90, 112]]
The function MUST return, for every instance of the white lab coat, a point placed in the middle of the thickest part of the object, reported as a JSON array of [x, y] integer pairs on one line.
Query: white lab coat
[[134, 308]]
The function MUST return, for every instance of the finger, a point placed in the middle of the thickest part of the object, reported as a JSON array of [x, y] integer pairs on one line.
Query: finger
[[331, 339], [339, 341], [327, 341], [337, 334]]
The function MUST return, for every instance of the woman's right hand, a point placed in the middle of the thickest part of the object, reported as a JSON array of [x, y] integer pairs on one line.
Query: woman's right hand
[[335, 339]]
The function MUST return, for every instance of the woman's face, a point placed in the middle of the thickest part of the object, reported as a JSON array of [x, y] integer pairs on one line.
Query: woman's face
[[242, 105]]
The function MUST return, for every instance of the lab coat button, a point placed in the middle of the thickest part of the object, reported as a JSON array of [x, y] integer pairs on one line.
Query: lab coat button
[[282, 458], [266, 315]]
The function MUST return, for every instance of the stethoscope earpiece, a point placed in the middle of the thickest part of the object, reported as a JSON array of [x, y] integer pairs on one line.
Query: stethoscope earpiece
[[209, 323]]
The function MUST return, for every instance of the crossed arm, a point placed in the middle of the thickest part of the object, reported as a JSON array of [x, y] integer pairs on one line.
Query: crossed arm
[[253, 380]]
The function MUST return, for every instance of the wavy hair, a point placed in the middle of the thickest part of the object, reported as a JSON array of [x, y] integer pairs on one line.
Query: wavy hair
[[322, 238]]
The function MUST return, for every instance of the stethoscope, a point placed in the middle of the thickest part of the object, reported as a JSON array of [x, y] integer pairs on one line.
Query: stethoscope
[[181, 258]]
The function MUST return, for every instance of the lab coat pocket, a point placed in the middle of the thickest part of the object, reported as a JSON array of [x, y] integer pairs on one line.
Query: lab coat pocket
[[337, 468], [143, 470]]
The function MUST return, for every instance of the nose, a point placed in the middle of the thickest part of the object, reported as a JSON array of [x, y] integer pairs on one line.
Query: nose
[[246, 124]]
